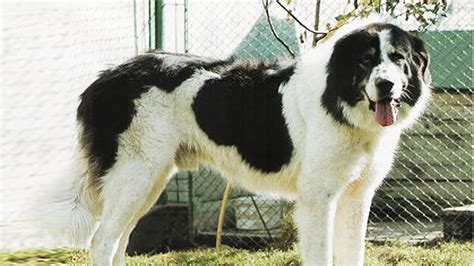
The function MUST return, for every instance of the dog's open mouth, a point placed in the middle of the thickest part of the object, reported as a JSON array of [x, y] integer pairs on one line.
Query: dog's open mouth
[[386, 111]]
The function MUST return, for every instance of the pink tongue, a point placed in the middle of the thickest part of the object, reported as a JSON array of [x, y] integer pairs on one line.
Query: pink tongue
[[384, 113]]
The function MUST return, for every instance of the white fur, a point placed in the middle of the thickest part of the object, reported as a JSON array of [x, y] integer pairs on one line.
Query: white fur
[[332, 175]]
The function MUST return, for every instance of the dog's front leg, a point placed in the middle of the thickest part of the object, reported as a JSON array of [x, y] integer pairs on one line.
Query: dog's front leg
[[351, 224], [353, 206], [315, 212]]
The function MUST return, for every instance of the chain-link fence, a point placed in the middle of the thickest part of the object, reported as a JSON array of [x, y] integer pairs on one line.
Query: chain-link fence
[[434, 164], [52, 51]]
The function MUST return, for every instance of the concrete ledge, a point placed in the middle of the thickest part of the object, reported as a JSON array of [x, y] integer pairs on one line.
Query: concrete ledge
[[457, 222]]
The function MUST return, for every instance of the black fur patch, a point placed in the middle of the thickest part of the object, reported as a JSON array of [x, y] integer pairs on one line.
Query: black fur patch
[[350, 64], [107, 105], [413, 57], [413, 89], [419, 67], [243, 108]]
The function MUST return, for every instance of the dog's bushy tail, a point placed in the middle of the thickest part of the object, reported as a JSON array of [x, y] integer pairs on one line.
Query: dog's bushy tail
[[84, 206]]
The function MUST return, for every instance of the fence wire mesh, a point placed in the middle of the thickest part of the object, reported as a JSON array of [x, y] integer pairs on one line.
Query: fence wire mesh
[[52, 51], [433, 168]]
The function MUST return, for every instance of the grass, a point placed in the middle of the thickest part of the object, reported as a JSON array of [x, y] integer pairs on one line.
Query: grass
[[442, 253]]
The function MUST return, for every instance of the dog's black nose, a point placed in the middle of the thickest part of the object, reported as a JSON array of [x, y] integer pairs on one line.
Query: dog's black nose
[[384, 87]]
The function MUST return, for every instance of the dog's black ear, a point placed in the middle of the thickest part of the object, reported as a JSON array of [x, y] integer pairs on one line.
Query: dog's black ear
[[421, 58]]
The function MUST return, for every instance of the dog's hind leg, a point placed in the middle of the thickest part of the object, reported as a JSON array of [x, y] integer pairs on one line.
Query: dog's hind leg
[[159, 186], [125, 188]]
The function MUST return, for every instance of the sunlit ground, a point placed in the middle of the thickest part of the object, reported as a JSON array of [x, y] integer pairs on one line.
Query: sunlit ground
[[442, 253]]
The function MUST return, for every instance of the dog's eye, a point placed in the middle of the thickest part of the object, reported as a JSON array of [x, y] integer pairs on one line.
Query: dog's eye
[[396, 57], [365, 59]]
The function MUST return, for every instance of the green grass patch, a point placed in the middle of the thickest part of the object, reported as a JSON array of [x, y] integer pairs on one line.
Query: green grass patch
[[442, 253]]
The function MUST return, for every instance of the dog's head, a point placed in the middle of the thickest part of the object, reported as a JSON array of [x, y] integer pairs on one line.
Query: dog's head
[[378, 76]]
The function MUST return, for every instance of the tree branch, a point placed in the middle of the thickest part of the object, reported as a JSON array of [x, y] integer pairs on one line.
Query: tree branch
[[299, 21], [269, 20]]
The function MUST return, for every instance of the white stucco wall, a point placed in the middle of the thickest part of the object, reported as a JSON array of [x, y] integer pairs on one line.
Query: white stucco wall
[[51, 51]]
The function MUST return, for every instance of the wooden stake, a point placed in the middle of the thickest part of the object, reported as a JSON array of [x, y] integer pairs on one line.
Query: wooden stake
[[220, 222]]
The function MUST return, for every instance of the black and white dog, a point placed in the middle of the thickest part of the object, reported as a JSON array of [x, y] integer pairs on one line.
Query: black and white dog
[[321, 131]]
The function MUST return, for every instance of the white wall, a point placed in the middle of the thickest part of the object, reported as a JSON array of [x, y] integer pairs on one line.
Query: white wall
[[51, 52]]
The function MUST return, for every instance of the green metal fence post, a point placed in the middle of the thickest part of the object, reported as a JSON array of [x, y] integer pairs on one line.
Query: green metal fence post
[[155, 24]]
